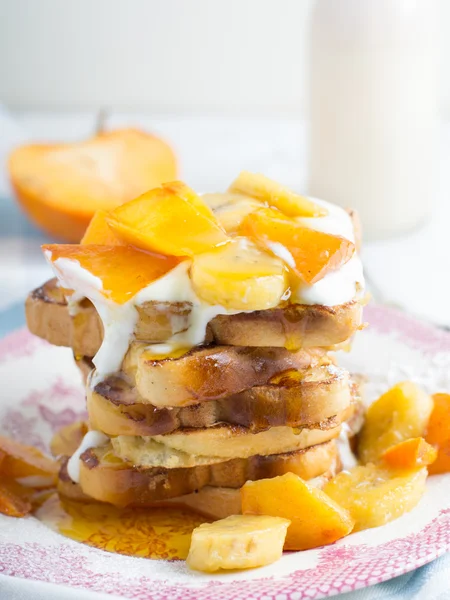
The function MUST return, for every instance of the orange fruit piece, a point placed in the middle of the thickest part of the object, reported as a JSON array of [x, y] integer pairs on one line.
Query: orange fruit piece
[[171, 220], [410, 454], [438, 433], [60, 186], [99, 232], [316, 519], [12, 503], [20, 460], [123, 270], [310, 254]]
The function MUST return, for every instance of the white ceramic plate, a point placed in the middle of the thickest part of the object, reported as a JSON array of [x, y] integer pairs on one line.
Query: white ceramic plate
[[41, 392]]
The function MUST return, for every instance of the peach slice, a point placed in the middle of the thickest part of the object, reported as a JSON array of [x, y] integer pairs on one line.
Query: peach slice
[[410, 454], [171, 220], [123, 270], [274, 194], [21, 461], [316, 519], [310, 254], [100, 233], [61, 186], [438, 433]]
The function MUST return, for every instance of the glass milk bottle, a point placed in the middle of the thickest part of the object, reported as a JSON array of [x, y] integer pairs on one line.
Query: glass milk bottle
[[373, 109]]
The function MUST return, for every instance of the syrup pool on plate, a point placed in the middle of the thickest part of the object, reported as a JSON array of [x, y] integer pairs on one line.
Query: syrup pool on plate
[[157, 533]]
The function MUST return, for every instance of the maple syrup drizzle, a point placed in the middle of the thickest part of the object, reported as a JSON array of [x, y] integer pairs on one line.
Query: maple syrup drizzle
[[157, 533]]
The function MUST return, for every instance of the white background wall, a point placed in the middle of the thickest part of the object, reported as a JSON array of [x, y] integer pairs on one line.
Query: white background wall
[[238, 56]]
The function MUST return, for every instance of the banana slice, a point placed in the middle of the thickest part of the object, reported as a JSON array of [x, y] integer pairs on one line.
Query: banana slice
[[374, 495], [237, 542], [231, 209], [273, 194], [239, 276]]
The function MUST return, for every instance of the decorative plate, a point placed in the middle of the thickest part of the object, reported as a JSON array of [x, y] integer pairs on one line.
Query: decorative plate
[[41, 392]]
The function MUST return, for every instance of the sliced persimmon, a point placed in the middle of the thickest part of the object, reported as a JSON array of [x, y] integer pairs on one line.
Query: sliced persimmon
[[171, 220], [12, 503], [438, 433], [20, 460], [99, 232], [122, 270], [60, 186], [310, 254], [410, 454]]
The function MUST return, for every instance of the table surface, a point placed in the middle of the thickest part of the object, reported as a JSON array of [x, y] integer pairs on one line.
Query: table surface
[[411, 271]]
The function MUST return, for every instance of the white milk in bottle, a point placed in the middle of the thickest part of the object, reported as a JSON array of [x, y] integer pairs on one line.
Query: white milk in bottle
[[373, 109]]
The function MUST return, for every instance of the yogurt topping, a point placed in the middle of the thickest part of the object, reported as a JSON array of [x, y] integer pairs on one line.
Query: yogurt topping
[[92, 439]]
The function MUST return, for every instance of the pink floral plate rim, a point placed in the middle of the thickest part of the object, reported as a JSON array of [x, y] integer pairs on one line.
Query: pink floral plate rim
[[339, 568]]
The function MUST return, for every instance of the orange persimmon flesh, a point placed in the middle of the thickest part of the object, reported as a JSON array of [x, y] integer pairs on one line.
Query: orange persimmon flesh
[[438, 433], [12, 503], [20, 460], [99, 232], [316, 519], [123, 270], [171, 220], [410, 454], [60, 186], [314, 253]]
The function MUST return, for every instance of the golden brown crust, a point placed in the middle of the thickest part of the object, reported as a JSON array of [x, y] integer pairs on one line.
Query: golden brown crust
[[294, 326], [115, 408], [106, 478]]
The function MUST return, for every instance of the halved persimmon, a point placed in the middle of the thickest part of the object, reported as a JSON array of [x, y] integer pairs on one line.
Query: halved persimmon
[[122, 270], [99, 232], [310, 254], [60, 186], [171, 220]]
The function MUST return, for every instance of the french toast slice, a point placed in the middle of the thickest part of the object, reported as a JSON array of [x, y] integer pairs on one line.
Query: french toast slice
[[206, 373], [188, 447], [292, 326], [106, 478], [314, 400]]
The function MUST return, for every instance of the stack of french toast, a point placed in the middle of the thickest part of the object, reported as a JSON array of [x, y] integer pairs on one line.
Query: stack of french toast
[[206, 329]]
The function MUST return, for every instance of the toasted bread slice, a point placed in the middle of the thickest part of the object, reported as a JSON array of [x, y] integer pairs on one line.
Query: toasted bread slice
[[190, 447], [314, 400], [207, 373], [106, 478], [293, 326], [212, 502]]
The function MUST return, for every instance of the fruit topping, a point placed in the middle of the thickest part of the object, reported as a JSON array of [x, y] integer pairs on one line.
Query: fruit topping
[[100, 233], [122, 270], [310, 254], [239, 276], [273, 194], [171, 220]]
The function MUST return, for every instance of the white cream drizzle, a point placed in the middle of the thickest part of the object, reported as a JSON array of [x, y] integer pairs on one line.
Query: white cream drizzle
[[92, 439]]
